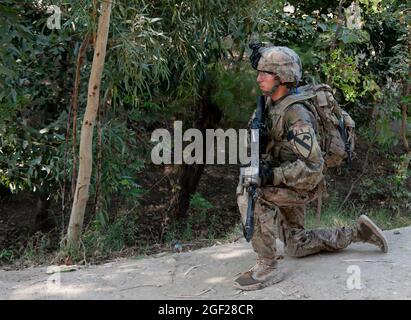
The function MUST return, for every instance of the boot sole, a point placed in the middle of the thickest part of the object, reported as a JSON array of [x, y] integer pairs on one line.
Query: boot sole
[[367, 221]]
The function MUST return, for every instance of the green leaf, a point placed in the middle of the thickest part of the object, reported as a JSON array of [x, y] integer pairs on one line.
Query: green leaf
[[155, 20], [36, 161], [406, 100], [322, 26], [7, 72]]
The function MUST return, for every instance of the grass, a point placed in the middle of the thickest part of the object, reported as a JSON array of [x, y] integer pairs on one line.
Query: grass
[[38, 250], [101, 239], [6, 255], [332, 217]]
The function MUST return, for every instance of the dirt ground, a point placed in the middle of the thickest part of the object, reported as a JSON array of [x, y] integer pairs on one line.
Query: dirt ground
[[358, 272]]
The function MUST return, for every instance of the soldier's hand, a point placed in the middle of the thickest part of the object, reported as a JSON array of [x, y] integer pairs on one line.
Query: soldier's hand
[[266, 175], [250, 176]]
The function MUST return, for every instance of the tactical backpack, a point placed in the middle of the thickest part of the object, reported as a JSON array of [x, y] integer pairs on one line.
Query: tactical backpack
[[335, 126]]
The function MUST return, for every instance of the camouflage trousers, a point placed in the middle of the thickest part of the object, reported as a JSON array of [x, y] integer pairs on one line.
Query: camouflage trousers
[[279, 212]]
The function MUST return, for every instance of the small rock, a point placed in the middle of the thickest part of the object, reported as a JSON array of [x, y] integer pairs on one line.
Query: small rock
[[397, 232]]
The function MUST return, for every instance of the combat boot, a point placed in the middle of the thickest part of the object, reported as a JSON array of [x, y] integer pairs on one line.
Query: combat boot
[[367, 231], [263, 274]]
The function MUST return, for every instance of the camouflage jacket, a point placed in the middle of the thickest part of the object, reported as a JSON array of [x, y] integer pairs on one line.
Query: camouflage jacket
[[293, 149]]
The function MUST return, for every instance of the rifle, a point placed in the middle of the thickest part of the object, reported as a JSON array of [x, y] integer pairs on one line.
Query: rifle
[[250, 176]]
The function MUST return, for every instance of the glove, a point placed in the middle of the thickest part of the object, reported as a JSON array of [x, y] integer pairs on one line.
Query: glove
[[266, 175]]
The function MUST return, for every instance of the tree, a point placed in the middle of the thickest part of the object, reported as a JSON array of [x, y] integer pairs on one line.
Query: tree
[[81, 195]]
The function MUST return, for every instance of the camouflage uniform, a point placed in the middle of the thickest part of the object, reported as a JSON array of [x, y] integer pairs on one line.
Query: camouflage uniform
[[298, 172], [294, 154]]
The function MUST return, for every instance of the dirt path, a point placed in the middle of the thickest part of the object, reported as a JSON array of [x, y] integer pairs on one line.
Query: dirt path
[[207, 274]]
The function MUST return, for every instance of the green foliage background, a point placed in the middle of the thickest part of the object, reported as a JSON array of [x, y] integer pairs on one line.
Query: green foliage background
[[163, 57]]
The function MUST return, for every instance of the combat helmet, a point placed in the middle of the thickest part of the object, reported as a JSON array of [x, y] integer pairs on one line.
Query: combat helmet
[[282, 61]]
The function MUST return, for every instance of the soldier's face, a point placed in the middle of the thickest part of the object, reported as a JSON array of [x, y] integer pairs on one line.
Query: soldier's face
[[266, 81]]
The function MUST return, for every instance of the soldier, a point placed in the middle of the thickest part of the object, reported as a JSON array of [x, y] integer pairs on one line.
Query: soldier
[[292, 172]]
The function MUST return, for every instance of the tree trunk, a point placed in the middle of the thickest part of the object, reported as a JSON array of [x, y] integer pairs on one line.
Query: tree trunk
[[80, 61], [191, 174], [406, 92], [43, 222], [73, 109], [81, 194], [190, 177]]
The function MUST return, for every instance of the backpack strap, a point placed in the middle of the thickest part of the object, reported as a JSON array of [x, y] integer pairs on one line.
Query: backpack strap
[[277, 112], [293, 98]]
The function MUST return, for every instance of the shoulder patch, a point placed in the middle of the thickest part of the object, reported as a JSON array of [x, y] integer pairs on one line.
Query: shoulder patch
[[302, 141]]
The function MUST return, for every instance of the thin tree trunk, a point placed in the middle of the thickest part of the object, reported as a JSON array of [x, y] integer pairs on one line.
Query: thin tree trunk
[[100, 122], [80, 61], [406, 92], [73, 108], [81, 194], [189, 179], [191, 174], [404, 111], [404, 108], [97, 200]]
